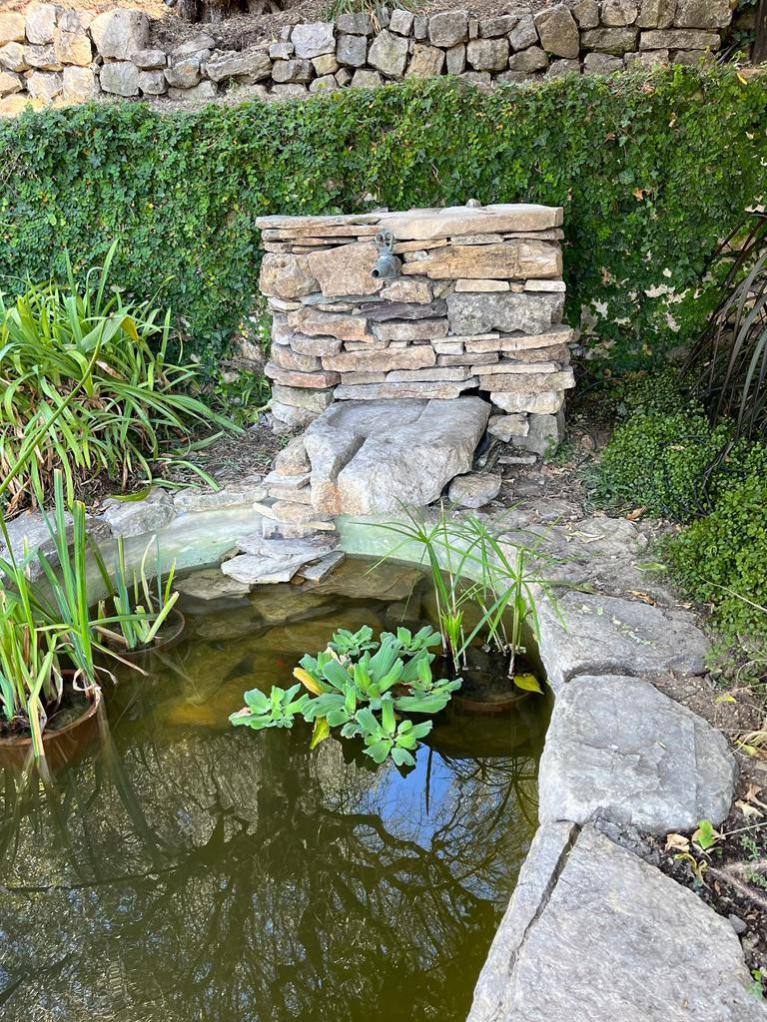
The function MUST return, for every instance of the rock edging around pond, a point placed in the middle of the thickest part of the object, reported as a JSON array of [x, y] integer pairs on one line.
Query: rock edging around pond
[[593, 932]]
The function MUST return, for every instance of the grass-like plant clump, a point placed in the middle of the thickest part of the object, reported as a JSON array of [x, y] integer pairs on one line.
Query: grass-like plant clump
[[131, 406]]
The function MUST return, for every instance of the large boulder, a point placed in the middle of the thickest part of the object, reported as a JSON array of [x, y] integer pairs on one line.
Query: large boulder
[[368, 457], [118, 34], [620, 749]]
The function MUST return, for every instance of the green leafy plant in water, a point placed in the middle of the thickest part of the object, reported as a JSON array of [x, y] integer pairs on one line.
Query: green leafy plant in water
[[364, 687], [278, 709]]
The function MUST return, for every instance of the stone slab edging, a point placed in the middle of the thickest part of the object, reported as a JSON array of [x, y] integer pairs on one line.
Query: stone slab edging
[[51, 56], [593, 932]]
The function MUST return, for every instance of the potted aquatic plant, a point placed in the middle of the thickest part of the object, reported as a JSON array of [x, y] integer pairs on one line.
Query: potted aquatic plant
[[485, 598]]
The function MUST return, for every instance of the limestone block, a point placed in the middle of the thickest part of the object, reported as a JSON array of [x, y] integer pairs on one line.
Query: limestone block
[[343, 76], [79, 84], [482, 285], [152, 83], [314, 38], [184, 73], [325, 64], [586, 13], [558, 68], [418, 330], [475, 489], [10, 83], [602, 64], [418, 357], [201, 44], [432, 374], [286, 276], [73, 47], [45, 85], [364, 78], [325, 83], [528, 383], [11, 27], [656, 14], [291, 415], [544, 435], [388, 54], [291, 90], [405, 289], [401, 21], [281, 50], [528, 61], [149, 60], [41, 23], [618, 747], [12, 57], [451, 222], [420, 27], [512, 259], [448, 28], [352, 50], [315, 345], [292, 71], [426, 62], [612, 40], [544, 403], [346, 269], [508, 427], [555, 337], [120, 78], [294, 378], [329, 324], [524, 33], [456, 59], [679, 39], [558, 31], [617, 13], [490, 28], [313, 400], [203, 91], [285, 357], [118, 34], [43, 58], [359, 23], [488, 54], [253, 63], [379, 312], [693, 58], [703, 13], [647, 58]]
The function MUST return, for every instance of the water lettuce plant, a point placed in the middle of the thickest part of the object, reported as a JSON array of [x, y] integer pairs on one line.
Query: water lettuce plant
[[364, 687]]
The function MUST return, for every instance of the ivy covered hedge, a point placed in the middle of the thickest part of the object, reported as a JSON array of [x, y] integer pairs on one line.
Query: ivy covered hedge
[[652, 173]]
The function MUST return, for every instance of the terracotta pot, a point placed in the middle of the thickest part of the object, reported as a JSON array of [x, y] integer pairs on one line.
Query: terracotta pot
[[169, 635], [67, 745]]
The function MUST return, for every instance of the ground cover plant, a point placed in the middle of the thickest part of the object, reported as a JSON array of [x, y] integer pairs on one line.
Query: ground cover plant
[[131, 404], [652, 172]]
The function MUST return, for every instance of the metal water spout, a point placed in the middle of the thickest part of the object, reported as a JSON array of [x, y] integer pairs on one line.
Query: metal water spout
[[387, 266]]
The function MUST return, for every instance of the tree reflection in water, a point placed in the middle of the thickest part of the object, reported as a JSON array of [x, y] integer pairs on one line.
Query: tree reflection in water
[[185, 874]]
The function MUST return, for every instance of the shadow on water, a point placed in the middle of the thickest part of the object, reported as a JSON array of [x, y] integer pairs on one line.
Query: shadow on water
[[189, 871]]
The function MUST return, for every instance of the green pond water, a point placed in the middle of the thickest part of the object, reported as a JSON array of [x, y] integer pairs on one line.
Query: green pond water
[[185, 870]]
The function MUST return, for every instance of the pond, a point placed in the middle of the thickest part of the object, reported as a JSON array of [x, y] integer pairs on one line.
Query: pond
[[186, 870]]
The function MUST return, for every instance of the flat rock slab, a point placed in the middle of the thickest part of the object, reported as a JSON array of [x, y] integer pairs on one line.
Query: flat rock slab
[[586, 634], [128, 518], [594, 934], [210, 584], [475, 489], [619, 748], [253, 570], [373, 457]]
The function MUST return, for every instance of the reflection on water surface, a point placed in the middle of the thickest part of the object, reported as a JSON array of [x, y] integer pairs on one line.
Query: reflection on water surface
[[190, 871]]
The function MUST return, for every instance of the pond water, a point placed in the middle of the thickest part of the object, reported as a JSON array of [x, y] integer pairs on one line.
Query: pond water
[[186, 870]]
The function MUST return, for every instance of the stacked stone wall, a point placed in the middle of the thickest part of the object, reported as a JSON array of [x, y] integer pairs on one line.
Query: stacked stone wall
[[475, 305], [49, 55]]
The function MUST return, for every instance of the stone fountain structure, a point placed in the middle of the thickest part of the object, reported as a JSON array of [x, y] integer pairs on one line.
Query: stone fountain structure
[[400, 337]]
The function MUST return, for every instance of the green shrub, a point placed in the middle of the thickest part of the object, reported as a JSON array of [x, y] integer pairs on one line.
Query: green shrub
[[652, 173], [722, 558]]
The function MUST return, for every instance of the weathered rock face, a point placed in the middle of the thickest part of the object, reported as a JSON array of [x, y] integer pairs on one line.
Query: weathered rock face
[[119, 34], [619, 749], [589, 634], [615, 939], [367, 458]]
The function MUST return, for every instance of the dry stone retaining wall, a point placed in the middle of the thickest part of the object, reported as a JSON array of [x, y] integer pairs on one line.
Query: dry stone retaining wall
[[476, 305], [50, 55]]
